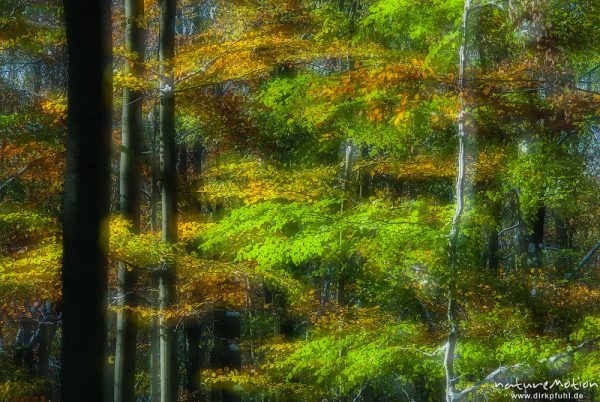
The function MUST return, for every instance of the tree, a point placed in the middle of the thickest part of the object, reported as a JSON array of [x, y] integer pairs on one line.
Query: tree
[[453, 239], [130, 166], [85, 227], [168, 160]]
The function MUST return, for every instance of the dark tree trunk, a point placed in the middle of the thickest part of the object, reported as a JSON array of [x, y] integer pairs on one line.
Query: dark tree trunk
[[182, 161], [535, 239], [45, 339], [168, 156], [284, 323], [226, 352], [86, 200], [131, 144], [563, 233], [493, 241], [197, 161], [197, 158], [155, 170], [192, 360], [192, 329], [155, 347], [23, 356]]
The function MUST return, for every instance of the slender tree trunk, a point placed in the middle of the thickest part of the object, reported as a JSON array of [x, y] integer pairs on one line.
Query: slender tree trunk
[[563, 232], [124, 380], [535, 238], [346, 175], [155, 346], [155, 170], [86, 200], [45, 335], [364, 179], [284, 323], [493, 241], [226, 352], [182, 161], [168, 159], [563, 240], [197, 161], [192, 359], [23, 339], [192, 330], [456, 219]]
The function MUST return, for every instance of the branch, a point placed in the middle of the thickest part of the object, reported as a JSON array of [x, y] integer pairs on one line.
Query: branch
[[504, 369], [500, 233], [570, 351], [209, 64], [489, 378], [583, 261], [17, 175]]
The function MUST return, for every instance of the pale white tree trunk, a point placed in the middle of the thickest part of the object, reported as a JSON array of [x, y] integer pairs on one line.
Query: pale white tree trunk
[[456, 219]]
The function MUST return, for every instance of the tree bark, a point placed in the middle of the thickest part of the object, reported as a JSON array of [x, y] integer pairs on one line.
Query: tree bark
[[86, 200], [124, 380], [155, 171], [168, 159], [456, 219]]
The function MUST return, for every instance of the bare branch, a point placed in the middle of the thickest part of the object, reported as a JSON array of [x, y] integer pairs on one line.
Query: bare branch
[[583, 261], [16, 176], [494, 375], [500, 233]]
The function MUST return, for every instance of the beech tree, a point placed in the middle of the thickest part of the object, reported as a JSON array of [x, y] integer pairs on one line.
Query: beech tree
[[86, 200], [129, 192], [168, 180]]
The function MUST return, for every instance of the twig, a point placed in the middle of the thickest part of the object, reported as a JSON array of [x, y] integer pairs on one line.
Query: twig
[[583, 261], [500, 233], [17, 175]]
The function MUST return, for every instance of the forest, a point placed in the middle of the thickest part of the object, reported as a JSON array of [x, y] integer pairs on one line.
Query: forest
[[299, 200]]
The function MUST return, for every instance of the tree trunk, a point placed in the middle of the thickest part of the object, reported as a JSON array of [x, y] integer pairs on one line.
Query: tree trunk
[[284, 323], [45, 336], [192, 359], [182, 161], [493, 241], [155, 171], [155, 346], [192, 329], [197, 160], [23, 356], [535, 238], [563, 232], [343, 274], [124, 380], [168, 159], [86, 200], [226, 352], [456, 219]]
